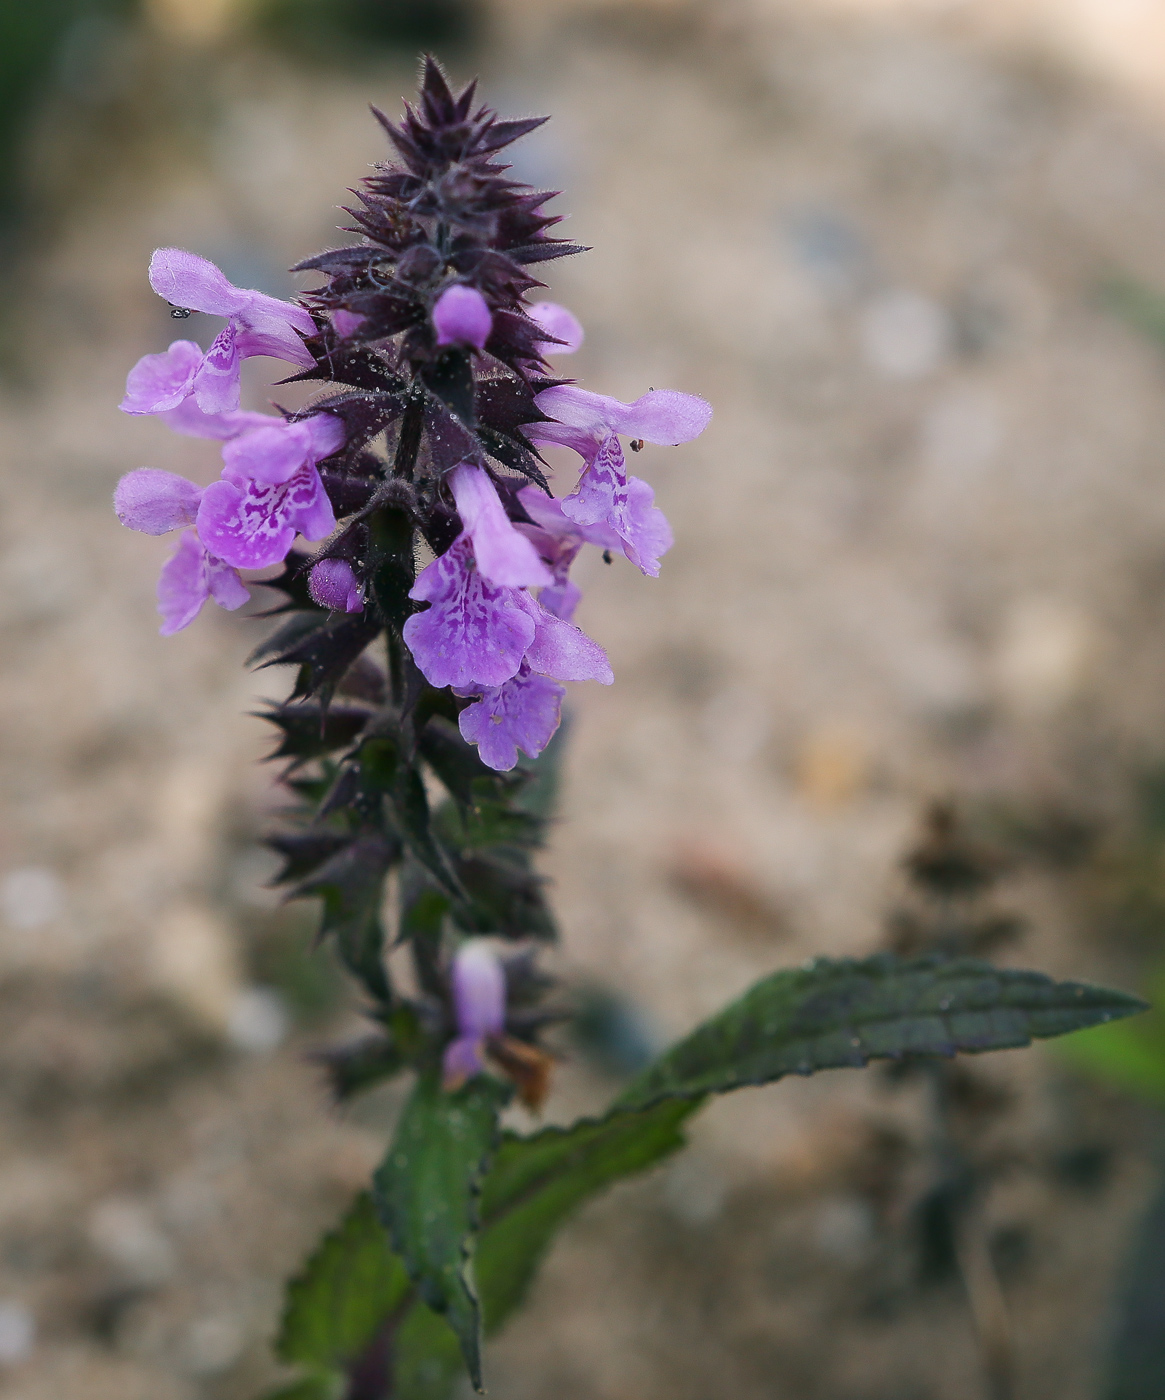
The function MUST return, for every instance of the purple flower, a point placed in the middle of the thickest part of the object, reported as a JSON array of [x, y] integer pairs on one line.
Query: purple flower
[[591, 424], [257, 324], [156, 502], [478, 984], [558, 540], [562, 324], [503, 554], [461, 316], [522, 713], [333, 584], [189, 577], [270, 491], [474, 633]]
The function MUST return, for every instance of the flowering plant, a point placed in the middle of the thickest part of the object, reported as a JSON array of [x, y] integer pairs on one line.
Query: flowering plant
[[447, 549]]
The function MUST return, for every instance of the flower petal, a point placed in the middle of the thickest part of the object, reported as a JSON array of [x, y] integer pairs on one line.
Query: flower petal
[[275, 450], [160, 382], [182, 585], [463, 1060], [644, 528], [189, 420], [562, 650], [216, 380], [155, 502], [478, 983], [557, 321], [504, 555], [662, 416], [333, 584], [547, 513], [474, 633], [247, 527], [521, 714], [185, 279], [461, 316], [307, 506]]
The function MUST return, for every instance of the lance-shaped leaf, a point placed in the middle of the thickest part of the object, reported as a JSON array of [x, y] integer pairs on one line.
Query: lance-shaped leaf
[[426, 1191], [505, 896], [536, 1182], [351, 884], [310, 730], [304, 851], [456, 763], [830, 1015], [339, 1302], [324, 652], [361, 1064]]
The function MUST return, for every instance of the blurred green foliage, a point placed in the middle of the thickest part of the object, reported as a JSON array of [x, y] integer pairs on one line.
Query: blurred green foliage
[[1137, 304], [34, 42], [348, 30]]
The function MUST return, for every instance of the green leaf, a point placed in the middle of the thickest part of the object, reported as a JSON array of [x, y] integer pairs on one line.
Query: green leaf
[[426, 1191], [427, 1360], [351, 884], [831, 1015], [347, 1289], [411, 808], [536, 1182], [310, 730]]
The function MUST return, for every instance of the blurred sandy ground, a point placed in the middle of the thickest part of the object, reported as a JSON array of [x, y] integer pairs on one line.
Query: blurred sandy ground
[[920, 550]]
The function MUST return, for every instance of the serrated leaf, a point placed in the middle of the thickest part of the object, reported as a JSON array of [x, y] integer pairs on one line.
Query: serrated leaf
[[299, 626], [457, 765], [310, 730], [304, 851], [351, 884], [427, 1357], [348, 1287], [426, 1191], [536, 1182], [831, 1015], [361, 1065], [506, 896], [411, 809], [323, 653]]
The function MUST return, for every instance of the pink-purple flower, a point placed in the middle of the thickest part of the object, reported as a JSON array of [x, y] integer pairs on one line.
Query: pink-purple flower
[[333, 584], [590, 424], [478, 984], [461, 316], [560, 323], [481, 623], [270, 491], [522, 713], [189, 577], [257, 324]]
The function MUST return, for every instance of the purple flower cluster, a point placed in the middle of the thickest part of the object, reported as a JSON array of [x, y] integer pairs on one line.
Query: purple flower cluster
[[269, 491], [425, 327]]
